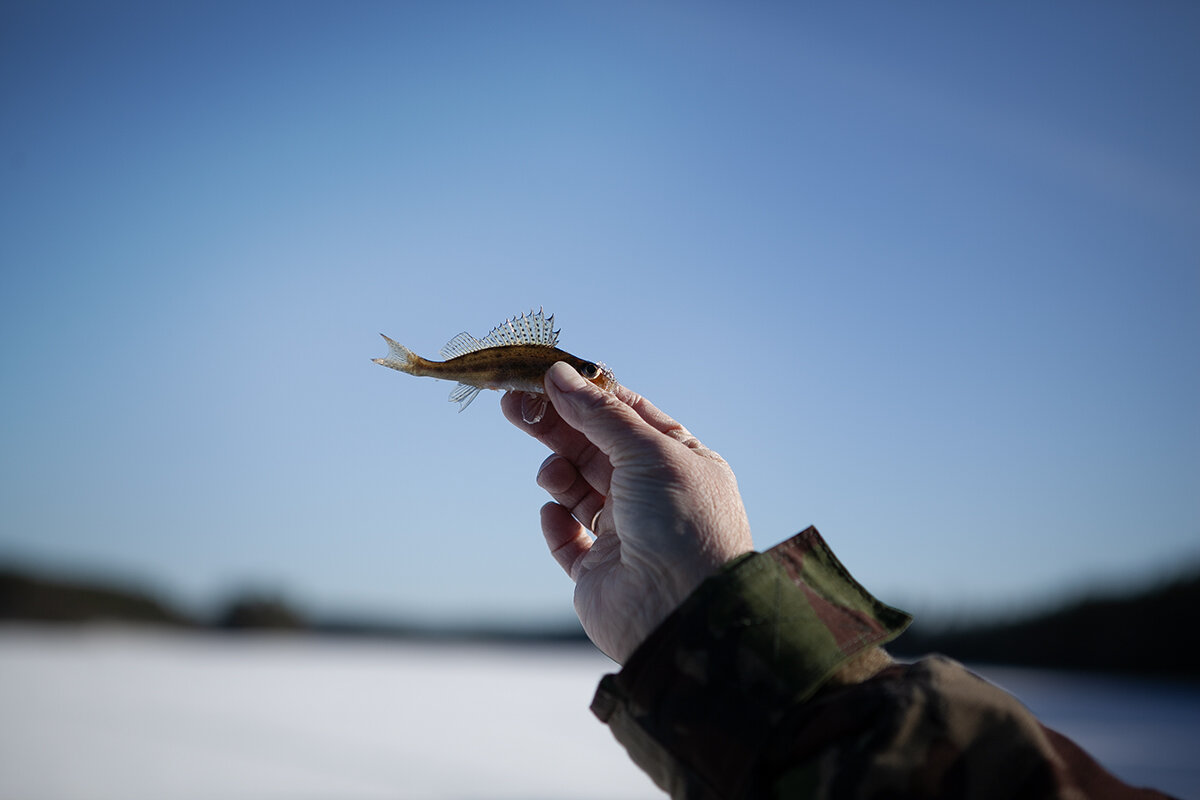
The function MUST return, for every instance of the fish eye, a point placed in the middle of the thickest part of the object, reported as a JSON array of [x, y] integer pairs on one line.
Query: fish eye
[[589, 371]]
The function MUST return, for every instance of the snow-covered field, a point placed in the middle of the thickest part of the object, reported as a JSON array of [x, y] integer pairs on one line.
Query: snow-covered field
[[134, 714], [129, 714]]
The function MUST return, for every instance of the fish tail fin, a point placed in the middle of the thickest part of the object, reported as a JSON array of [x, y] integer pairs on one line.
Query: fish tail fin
[[399, 357]]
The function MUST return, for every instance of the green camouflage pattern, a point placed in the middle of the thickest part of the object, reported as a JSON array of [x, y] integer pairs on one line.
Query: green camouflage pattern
[[731, 697]]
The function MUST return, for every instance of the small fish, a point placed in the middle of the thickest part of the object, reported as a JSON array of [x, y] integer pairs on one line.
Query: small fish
[[514, 356]]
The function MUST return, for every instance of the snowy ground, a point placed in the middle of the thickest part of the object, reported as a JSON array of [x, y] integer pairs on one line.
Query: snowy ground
[[111, 713], [130, 715]]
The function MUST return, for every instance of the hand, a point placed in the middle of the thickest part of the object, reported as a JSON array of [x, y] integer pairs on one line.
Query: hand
[[665, 510]]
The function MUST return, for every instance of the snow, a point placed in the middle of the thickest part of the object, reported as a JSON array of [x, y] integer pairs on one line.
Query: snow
[[97, 713], [110, 713]]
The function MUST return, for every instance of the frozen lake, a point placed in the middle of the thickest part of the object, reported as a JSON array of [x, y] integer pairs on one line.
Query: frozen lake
[[112, 713]]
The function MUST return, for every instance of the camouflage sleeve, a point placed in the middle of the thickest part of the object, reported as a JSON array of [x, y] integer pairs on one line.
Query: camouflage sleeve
[[731, 697]]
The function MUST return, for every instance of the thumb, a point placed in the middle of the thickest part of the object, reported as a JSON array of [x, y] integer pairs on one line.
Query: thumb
[[607, 422]]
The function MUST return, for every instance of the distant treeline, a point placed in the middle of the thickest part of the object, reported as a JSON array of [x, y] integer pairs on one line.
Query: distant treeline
[[36, 598], [26, 596], [1144, 633]]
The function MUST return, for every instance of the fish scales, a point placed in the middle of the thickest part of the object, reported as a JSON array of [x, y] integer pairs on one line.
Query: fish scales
[[513, 357], [511, 367]]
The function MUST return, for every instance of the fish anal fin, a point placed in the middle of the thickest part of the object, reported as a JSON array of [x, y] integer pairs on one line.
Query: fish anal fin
[[463, 394]]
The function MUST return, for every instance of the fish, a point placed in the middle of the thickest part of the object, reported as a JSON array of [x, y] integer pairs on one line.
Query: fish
[[513, 357]]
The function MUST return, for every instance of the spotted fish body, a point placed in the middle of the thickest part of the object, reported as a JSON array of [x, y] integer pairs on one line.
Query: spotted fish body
[[514, 356]]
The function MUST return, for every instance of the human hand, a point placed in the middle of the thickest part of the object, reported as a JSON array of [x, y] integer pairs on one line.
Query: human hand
[[665, 510]]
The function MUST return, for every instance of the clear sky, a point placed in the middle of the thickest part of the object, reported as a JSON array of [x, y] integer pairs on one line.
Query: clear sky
[[927, 276]]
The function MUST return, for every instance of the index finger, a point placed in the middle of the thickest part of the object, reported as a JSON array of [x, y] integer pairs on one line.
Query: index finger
[[566, 440], [660, 421]]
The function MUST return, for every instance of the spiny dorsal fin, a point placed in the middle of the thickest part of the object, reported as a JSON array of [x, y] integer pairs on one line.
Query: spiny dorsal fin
[[526, 329]]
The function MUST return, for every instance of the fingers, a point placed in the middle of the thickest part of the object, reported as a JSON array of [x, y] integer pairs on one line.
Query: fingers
[[607, 422], [566, 538], [663, 423], [550, 430], [601, 425], [513, 404], [563, 439], [568, 488]]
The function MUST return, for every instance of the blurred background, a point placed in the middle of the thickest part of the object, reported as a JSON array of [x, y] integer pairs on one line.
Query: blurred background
[[929, 278]]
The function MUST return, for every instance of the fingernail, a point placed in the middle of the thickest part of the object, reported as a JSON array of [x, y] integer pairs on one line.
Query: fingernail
[[542, 468], [565, 378]]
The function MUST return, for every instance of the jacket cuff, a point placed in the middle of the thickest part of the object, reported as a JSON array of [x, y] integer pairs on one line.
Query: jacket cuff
[[697, 700]]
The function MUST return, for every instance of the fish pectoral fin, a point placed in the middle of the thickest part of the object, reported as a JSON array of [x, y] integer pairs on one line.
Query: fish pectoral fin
[[533, 408], [463, 394]]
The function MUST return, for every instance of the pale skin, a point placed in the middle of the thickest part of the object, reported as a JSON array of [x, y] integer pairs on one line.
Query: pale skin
[[664, 509]]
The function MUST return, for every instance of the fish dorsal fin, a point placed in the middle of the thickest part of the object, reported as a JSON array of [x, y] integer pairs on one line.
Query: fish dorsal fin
[[461, 345], [526, 329], [536, 329]]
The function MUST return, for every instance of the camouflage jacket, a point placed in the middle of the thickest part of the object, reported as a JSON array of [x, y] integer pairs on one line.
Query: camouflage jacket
[[742, 693]]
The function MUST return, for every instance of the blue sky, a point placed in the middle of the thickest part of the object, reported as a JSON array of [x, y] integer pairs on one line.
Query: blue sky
[[929, 278]]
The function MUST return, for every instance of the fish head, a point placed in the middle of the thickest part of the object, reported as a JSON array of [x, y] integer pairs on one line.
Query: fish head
[[598, 374]]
